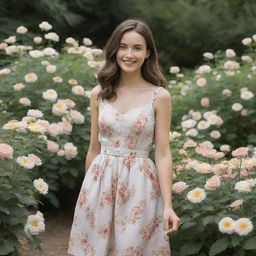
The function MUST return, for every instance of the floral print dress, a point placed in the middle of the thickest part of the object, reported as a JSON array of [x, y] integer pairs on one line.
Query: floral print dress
[[119, 211]]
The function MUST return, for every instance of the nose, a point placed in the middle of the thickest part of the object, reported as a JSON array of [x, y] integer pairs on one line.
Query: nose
[[129, 52]]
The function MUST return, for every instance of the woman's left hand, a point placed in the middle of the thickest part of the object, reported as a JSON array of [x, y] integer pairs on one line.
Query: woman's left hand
[[171, 220]]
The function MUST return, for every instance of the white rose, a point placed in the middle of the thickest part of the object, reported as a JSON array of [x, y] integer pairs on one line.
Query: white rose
[[52, 36], [246, 95], [21, 30], [201, 82], [174, 69], [202, 125], [25, 101], [247, 41], [50, 95], [51, 68], [78, 90], [215, 134], [236, 107], [37, 40], [208, 55], [243, 186], [230, 53], [36, 54], [45, 26], [87, 41]]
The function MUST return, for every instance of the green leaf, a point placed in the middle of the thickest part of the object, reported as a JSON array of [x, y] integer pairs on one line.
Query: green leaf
[[219, 246], [5, 248], [190, 248], [250, 244]]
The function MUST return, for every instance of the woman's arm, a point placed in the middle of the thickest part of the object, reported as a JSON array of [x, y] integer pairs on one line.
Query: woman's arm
[[94, 146], [163, 158]]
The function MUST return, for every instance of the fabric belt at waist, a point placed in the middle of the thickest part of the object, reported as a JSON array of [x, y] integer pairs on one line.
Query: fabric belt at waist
[[124, 152]]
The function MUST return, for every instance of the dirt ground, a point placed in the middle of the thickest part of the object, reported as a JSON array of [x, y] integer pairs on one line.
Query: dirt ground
[[56, 235]]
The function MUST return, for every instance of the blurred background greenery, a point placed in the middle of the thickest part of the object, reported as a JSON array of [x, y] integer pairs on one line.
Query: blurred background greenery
[[183, 29]]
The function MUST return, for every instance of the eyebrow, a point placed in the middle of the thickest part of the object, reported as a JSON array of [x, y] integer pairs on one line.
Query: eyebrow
[[134, 45]]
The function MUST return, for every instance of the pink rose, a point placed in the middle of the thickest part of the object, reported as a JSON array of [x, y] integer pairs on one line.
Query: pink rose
[[236, 204], [213, 182], [178, 187], [52, 146], [6, 151], [240, 152]]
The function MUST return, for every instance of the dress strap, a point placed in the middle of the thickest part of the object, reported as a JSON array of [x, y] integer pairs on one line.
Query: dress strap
[[156, 92]]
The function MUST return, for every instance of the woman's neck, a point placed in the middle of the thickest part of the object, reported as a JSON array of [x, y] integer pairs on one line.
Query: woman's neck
[[131, 79]]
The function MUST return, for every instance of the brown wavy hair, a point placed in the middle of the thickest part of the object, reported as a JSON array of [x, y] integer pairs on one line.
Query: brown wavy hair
[[109, 76]]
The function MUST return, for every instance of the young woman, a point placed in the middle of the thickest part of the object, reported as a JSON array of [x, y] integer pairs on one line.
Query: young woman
[[125, 204]]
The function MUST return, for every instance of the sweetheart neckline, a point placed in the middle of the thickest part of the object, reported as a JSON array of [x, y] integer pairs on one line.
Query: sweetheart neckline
[[138, 107]]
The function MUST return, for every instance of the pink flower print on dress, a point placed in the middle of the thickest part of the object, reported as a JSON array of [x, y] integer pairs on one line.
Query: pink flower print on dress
[[104, 231], [88, 247], [132, 251], [105, 129], [134, 215], [131, 141], [116, 142], [83, 197], [140, 123], [129, 160], [147, 232], [90, 216], [162, 251], [97, 171], [124, 193]]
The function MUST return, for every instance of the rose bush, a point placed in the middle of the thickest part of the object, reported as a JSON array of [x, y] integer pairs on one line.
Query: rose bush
[[216, 101]]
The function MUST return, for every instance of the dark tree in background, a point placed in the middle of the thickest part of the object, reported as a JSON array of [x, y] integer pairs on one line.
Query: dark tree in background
[[183, 29]]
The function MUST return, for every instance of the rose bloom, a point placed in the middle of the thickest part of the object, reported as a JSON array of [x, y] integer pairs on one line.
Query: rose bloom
[[10, 40], [243, 186], [203, 125], [36, 159], [36, 54], [204, 69], [247, 41], [237, 203], [61, 152], [189, 143], [240, 152], [45, 26], [213, 119], [226, 225], [201, 82], [57, 79], [43, 123], [41, 186], [78, 90], [66, 127], [59, 108], [35, 113], [45, 63], [37, 40], [88, 55], [192, 132], [203, 168], [225, 148], [33, 127], [3, 46], [230, 53], [205, 102], [76, 117], [174, 69], [55, 129], [215, 134], [173, 135], [196, 195], [21, 30], [70, 103], [243, 226], [35, 224], [208, 55], [212, 183], [25, 162], [51, 68], [196, 115], [247, 59], [246, 95], [49, 51], [71, 40], [5, 71], [236, 106], [50, 95], [231, 64], [87, 41], [30, 77], [227, 92], [188, 123], [70, 150], [178, 187], [96, 51], [72, 81], [6, 151], [52, 146], [25, 101]]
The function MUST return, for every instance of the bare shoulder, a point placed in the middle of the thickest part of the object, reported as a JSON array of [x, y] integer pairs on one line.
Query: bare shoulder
[[164, 97], [95, 91]]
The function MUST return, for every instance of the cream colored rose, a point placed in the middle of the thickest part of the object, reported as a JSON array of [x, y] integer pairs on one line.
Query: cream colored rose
[[21, 30], [36, 54], [174, 69], [227, 92], [201, 82], [178, 187], [25, 101], [31, 77], [243, 186], [213, 182], [247, 41], [10, 40], [49, 51], [237, 107], [204, 69], [52, 36], [37, 40], [45, 26], [188, 123], [205, 102], [51, 68], [19, 86], [247, 59], [230, 53], [215, 134], [208, 55], [57, 79], [246, 95], [87, 41], [5, 71], [50, 95], [88, 55], [192, 132], [225, 148], [202, 168], [202, 125]]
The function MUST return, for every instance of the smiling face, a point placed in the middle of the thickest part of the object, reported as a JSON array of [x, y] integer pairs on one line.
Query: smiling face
[[132, 52]]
